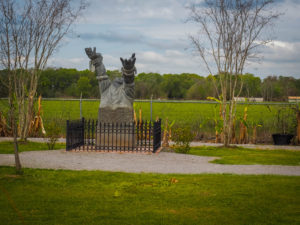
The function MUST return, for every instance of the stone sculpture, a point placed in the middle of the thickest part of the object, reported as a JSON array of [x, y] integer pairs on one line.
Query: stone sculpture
[[116, 103]]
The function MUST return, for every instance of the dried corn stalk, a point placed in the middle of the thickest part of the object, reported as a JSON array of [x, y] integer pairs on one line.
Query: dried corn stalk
[[254, 135], [134, 117], [166, 136], [5, 130], [36, 124], [243, 128]]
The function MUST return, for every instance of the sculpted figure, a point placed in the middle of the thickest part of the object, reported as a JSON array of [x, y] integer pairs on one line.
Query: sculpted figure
[[116, 104]]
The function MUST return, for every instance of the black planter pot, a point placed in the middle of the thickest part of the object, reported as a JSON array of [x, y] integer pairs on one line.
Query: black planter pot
[[282, 139]]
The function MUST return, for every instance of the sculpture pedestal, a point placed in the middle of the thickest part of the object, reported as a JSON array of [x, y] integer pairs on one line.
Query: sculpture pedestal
[[116, 136], [116, 129], [119, 115]]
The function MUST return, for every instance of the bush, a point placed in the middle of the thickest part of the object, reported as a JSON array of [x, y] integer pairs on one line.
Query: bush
[[52, 135], [182, 138]]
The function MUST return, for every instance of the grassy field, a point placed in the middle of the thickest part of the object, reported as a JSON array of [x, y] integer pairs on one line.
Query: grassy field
[[192, 115], [243, 156], [7, 147], [180, 112], [95, 197]]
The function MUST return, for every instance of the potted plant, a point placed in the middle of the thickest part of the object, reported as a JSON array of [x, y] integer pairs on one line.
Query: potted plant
[[286, 126]]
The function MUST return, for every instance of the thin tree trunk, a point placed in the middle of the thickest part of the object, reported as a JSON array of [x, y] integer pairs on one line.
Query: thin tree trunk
[[233, 140], [231, 121], [27, 108], [16, 150], [14, 128], [225, 122]]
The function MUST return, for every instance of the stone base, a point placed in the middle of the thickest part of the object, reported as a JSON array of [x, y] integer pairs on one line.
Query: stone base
[[119, 115], [119, 136], [115, 141]]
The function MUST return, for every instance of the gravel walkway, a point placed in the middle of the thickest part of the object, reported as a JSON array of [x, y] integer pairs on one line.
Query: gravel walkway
[[131, 162], [193, 144]]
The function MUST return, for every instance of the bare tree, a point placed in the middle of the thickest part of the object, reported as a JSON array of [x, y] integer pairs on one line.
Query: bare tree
[[30, 31], [229, 33]]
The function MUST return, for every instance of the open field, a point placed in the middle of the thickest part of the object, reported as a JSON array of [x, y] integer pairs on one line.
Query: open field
[[243, 156], [95, 197], [194, 115]]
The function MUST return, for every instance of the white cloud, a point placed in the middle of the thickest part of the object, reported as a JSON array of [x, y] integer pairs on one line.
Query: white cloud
[[156, 32], [279, 58], [282, 52], [152, 57], [162, 13], [68, 62], [168, 62], [148, 61], [131, 11], [279, 44]]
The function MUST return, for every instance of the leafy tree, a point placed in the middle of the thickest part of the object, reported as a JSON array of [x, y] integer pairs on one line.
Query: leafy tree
[[148, 84], [200, 90], [84, 86], [63, 82], [297, 85], [54, 82], [251, 85], [288, 86], [271, 89], [72, 91], [3, 82], [176, 86], [112, 74], [171, 85]]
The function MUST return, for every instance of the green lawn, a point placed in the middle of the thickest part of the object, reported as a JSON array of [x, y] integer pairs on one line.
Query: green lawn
[[243, 156], [7, 147], [95, 197]]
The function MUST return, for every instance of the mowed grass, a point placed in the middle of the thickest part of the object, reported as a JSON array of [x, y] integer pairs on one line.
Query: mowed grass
[[95, 197], [7, 147], [243, 156]]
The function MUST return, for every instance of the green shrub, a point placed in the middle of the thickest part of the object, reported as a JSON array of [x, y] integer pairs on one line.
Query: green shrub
[[182, 137], [52, 134]]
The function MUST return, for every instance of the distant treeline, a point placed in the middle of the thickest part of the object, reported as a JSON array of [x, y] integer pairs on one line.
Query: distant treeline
[[55, 83]]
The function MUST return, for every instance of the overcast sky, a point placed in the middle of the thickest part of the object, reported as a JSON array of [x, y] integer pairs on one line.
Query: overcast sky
[[155, 30]]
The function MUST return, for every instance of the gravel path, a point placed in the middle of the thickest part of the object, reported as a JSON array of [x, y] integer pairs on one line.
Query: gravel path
[[131, 162], [193, 144]]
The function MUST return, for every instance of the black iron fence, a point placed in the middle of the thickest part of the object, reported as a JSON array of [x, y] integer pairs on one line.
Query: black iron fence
[[74, 134], [142, 136]]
